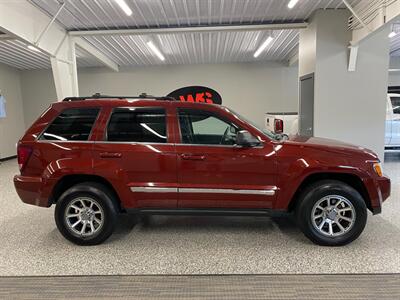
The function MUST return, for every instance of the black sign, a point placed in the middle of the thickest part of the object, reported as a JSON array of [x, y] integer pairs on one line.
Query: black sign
[[199, 94]]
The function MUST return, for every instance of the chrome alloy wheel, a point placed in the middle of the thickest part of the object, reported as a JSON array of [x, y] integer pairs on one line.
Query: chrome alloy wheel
[[84, 216], [333, 215]]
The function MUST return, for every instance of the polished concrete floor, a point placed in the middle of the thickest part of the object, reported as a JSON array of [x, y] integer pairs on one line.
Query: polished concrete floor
[[31, 245]]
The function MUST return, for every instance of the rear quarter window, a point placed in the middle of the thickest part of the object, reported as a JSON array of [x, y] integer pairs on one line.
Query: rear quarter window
[[73, 124]]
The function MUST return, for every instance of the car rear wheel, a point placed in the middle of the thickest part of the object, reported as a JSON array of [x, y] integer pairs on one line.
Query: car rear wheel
[[86, 214], [331, 213]]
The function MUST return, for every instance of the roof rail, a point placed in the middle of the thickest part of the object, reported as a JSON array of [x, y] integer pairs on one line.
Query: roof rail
[[100, 96]]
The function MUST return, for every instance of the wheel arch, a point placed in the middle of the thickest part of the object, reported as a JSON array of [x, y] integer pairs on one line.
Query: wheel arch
[[351, 179], [68, 181]]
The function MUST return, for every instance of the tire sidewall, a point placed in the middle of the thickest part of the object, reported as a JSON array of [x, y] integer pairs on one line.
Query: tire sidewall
[[103, 198], [317, 192]]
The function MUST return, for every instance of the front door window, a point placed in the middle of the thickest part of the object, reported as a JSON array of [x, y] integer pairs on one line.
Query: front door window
[[205, 128]]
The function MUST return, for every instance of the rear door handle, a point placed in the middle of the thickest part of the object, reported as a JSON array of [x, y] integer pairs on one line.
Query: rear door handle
[[193, 156], [110, 154]]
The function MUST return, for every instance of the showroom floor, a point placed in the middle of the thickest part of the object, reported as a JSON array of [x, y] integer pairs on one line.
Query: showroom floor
[[31, 244]]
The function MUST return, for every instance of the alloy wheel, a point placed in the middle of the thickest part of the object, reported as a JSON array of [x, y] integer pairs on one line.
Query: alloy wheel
[[84, 216], [333, 215]]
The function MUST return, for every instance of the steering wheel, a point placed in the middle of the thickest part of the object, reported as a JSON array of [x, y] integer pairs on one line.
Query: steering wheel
[[224, 136]]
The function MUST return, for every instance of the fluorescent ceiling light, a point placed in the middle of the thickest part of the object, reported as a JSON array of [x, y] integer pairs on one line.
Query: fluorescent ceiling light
[[263, 46], [124, 6], [155, 50], [292, 3], [30, 47], [392, 34]]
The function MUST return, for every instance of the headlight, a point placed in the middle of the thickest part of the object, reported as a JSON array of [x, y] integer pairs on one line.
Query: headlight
[[378, 168]]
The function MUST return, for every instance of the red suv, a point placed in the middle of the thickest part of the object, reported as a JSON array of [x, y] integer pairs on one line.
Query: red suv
[[100, 156]]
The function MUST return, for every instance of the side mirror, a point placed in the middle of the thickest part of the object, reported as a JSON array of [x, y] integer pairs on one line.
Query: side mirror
[[246, 139]]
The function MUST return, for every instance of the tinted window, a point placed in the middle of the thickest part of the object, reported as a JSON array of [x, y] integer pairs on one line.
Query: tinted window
[[137, 125], [72, 125], [396, 104], [206, 128]]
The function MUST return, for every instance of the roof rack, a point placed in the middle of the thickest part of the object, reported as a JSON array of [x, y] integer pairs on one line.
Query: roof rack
[[100, 96]]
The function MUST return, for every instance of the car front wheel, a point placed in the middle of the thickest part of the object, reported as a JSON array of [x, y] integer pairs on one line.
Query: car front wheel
[[331, 213], [86, 214]]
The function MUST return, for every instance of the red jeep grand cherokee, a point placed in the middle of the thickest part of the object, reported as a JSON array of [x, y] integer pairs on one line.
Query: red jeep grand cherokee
[[99, 156]]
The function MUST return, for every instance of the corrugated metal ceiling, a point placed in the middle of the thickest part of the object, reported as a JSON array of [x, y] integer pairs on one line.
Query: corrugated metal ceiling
[[96, 14], [179, 48]]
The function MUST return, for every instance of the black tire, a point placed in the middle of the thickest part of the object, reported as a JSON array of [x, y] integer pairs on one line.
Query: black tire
[[319, 190], [102, 197]]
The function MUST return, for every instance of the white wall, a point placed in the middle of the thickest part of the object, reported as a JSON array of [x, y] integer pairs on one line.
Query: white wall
[[38, 92], [249, 88], [12, 127]]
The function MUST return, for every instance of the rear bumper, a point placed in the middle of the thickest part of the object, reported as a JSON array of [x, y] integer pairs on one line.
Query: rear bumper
[[383, 188], [32, 190]]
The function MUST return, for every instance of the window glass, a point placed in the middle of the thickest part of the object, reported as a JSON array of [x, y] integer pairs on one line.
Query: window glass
[[206, 128], [396, 104], [73, 124], [146, 125]]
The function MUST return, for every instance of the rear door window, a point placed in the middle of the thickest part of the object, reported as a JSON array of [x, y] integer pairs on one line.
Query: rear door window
[[73, 124], [142, 125]]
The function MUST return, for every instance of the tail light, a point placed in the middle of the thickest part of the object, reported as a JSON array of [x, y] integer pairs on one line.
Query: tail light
[[278, 126], [24, 152]]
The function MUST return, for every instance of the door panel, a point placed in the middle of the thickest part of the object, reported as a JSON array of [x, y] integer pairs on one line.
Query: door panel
[[134, 165], [388, 124], [213, 172], [395, 140], [306, 113], [395, 120], [138, 158], [227, 177]]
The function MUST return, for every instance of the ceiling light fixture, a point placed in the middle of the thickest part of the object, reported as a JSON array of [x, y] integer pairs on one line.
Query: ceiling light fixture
[[155, 50], [124, 6], [392, 34], [263, 46], [30, 47], [292, 3]]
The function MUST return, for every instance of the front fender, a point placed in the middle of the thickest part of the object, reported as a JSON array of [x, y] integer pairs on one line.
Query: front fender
[[292, 175]]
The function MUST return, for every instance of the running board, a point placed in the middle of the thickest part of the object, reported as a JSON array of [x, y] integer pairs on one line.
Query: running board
[[204, 211]]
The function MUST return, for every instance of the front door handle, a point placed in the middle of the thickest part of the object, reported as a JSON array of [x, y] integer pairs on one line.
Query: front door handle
[[193, 156], [110, 154]]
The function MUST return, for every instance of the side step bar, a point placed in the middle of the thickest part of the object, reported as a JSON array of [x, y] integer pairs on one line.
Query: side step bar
[[205, 212]]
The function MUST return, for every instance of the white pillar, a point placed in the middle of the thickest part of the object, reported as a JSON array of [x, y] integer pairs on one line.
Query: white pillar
[[348, 106], [65, 71]]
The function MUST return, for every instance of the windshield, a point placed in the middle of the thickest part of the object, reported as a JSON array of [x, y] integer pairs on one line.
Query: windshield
[[268, 133]]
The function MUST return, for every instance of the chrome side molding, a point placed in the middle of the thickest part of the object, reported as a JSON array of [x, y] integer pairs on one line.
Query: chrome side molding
[[150, 189], [269, 192]]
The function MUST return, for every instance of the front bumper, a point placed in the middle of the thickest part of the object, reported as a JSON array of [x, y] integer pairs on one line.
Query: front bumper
[[383, 188], [32, 190]]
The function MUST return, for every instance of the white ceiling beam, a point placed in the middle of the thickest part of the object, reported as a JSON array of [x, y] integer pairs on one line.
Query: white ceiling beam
[[23, 21], [385, 16], [6, 37], [188, 29], [293, 60], [81, 43]]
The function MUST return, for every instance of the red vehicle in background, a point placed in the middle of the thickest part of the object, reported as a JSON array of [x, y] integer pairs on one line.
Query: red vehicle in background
[[96, 157]]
